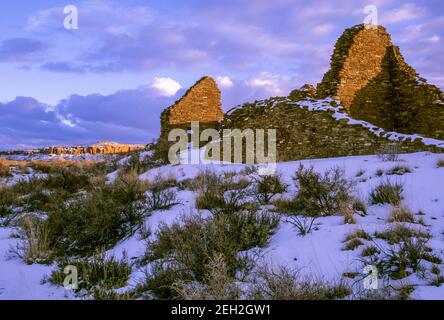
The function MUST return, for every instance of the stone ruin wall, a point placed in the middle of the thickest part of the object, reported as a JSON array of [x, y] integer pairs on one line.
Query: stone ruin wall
[[370, 77], [202, 102], [304, 134]]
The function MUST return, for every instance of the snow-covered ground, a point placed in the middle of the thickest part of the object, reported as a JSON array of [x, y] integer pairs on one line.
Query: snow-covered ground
[[319, 253], [21, 281]]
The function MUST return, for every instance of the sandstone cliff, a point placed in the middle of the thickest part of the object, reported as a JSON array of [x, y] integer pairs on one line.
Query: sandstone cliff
[[98, 148]]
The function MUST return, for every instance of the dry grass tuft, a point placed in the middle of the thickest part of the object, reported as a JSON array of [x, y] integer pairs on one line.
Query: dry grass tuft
[[401, 213]]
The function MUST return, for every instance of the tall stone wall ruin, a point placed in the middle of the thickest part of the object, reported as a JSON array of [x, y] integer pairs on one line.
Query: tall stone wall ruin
[[370, 77]]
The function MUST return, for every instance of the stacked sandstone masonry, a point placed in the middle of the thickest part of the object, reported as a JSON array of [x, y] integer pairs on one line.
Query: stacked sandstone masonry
[[307, 134], [202, 103], [369, 76]]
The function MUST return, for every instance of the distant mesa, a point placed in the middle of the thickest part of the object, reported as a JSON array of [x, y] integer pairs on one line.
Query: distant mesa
[[370, 77], [103, 147]]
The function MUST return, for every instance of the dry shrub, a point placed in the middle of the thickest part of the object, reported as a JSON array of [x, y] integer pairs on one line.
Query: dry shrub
[[440, 163], [220, 193], [401, 213], [322, 195], [390, 152], [35, 245], [282, 283], [387, 192], [60, 163], [219, 284], [347, 212]]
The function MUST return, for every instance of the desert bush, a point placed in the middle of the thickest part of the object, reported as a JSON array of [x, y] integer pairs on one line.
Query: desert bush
[[303, 224], [8, 200], [440, 163], [266, 187], [219, 284], [321, 195], [387, 192], [404, 256], [34, 245], [96, 275], [282, 283], [68, 179], [181, 252], [401, 213], [138, 163], [399, 170], [99, 218], [390, 152], [220, 193], [161, 196], [358, 234]]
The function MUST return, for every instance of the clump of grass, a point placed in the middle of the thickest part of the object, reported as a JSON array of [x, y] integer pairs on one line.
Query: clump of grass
[[399, 170], [390, 152], [369, 251], [396, 233], [379, 173], [438, 278], [358, 234], [401, 213], [387, 192], [348, 214], [282, 283], [219, 284], [96, 275], [353, 244], [35, 247], [360, 173], [440, 163], [359, 207]]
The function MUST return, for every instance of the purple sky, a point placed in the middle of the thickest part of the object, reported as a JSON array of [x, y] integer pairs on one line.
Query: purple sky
[[128, 60]]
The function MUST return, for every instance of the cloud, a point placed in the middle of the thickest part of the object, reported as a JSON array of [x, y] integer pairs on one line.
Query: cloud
[[167, 87], [224, 81], [406, 12], [128, 116], [22, 50]]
